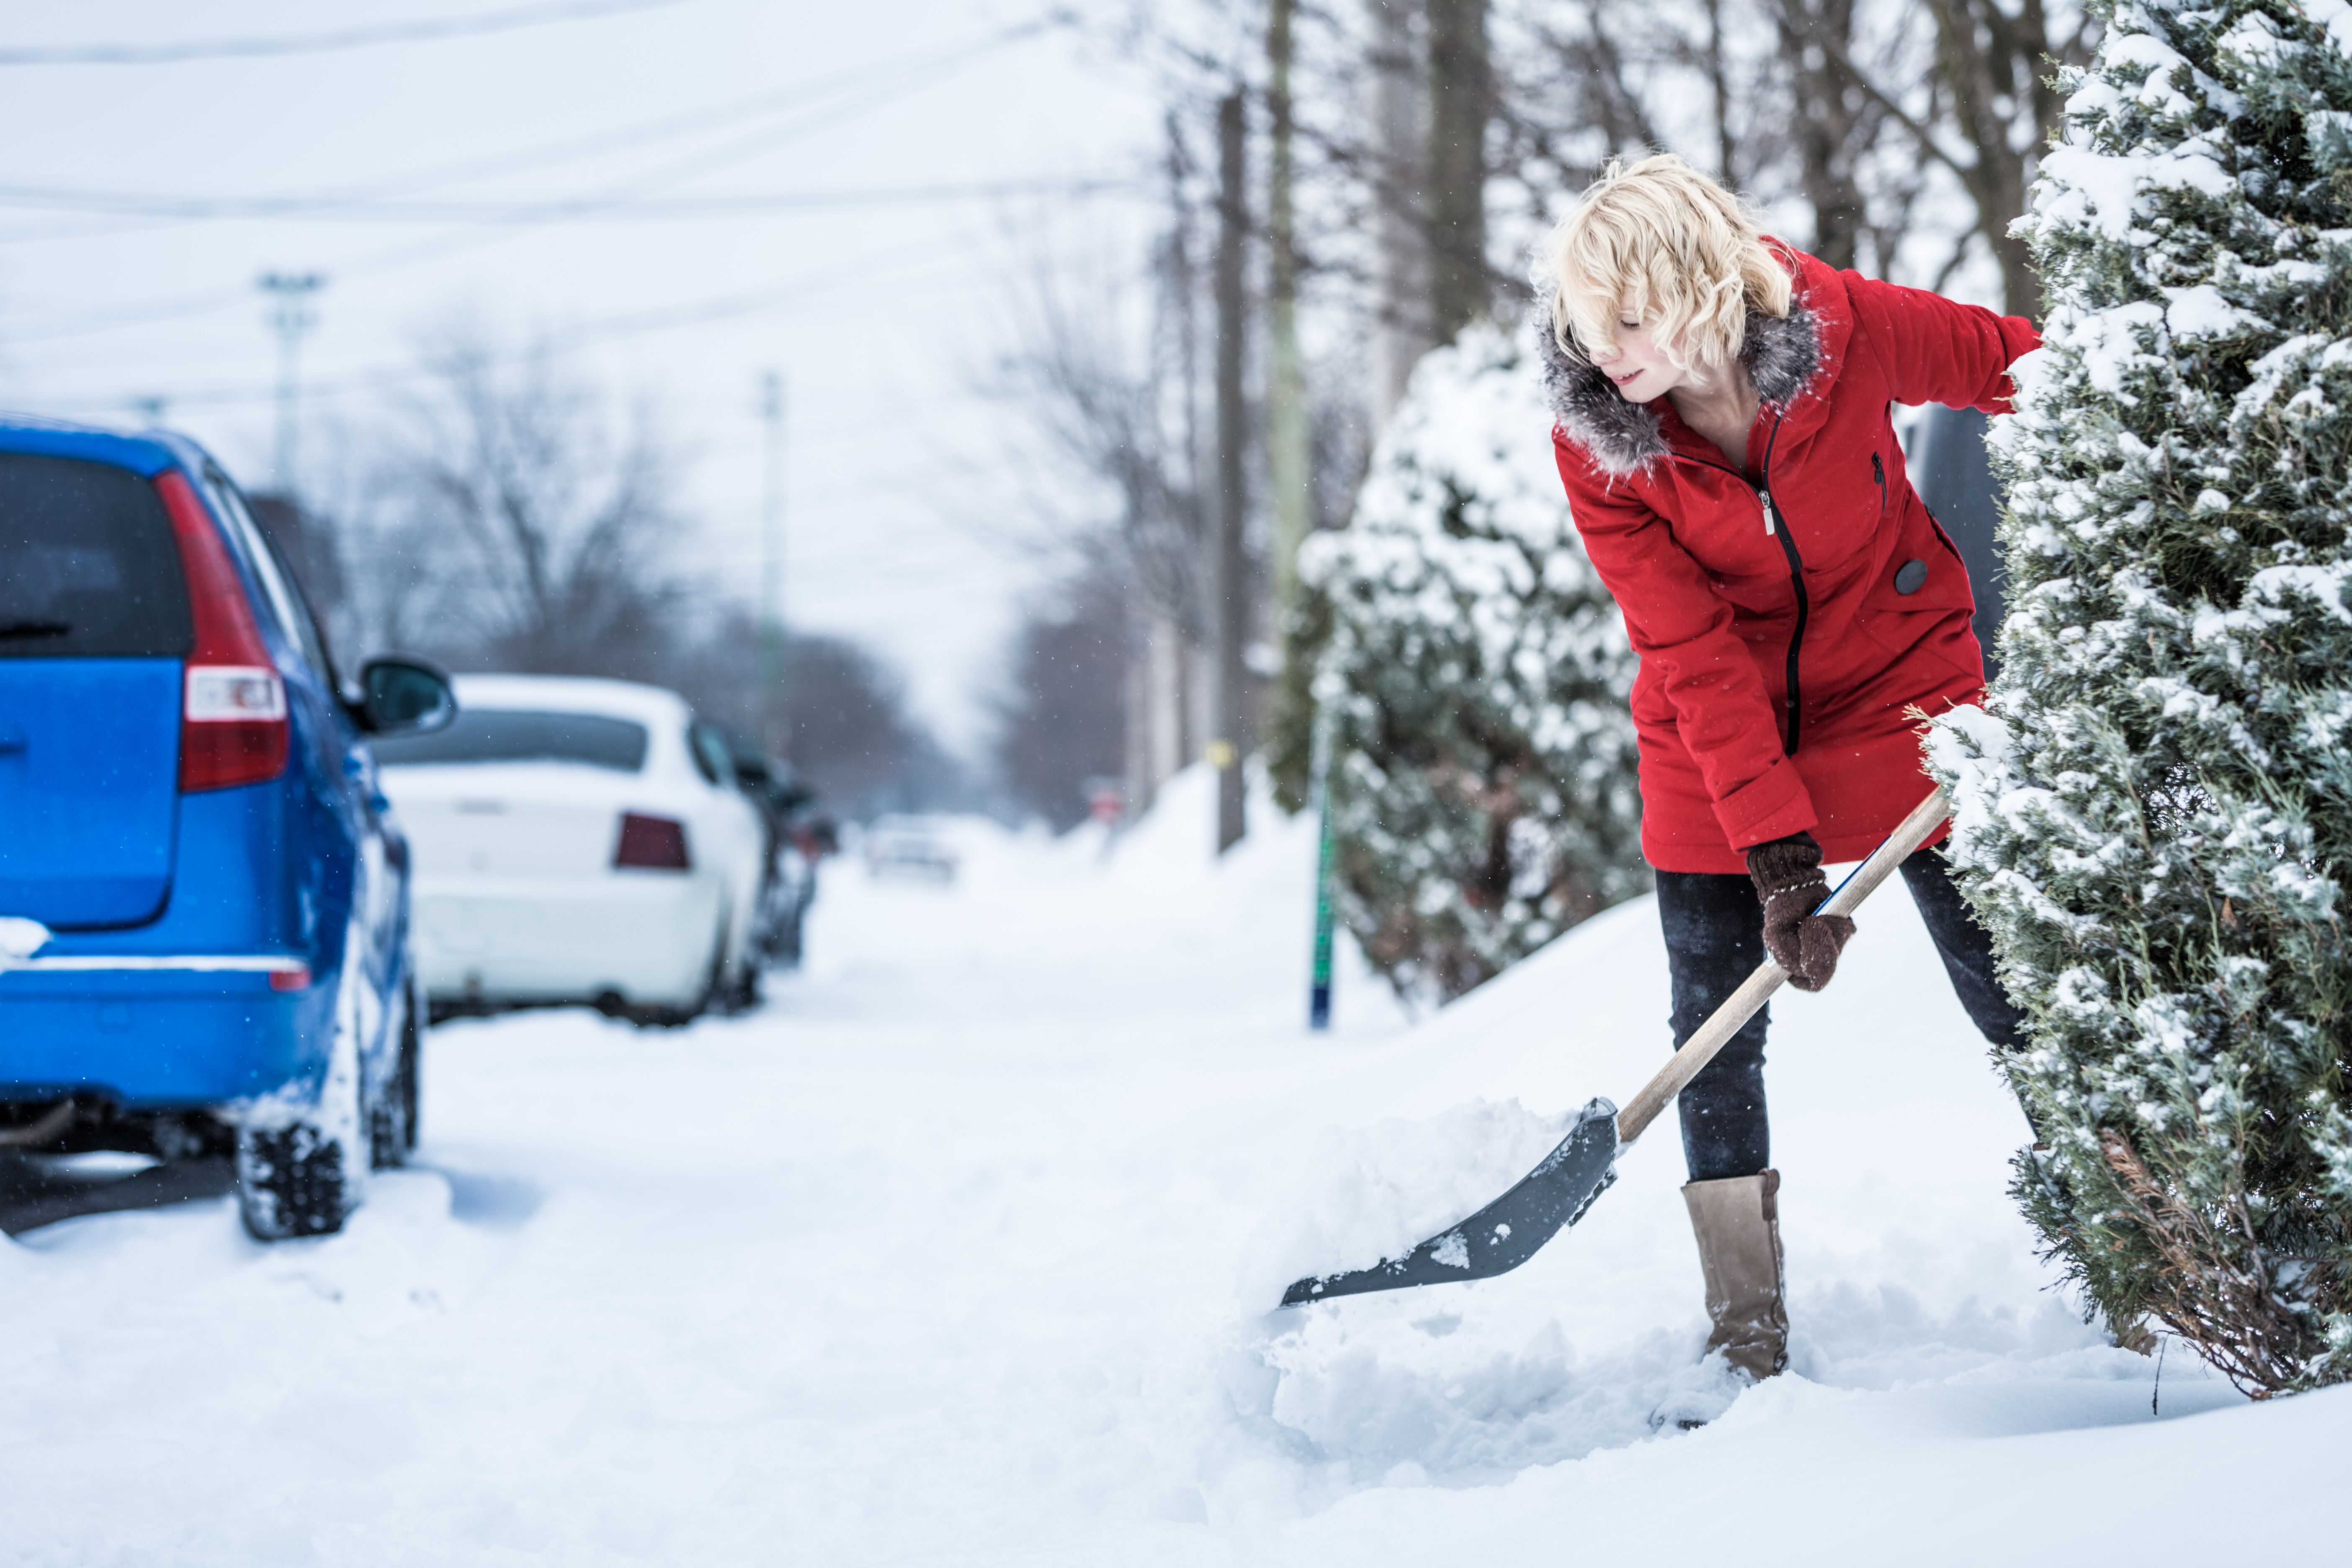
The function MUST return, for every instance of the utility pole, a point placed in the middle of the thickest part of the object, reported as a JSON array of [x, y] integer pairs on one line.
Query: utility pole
[[1195, 621], [1399, 238], [1286, 450], [775, 721], [1163, 670], [1230, 572], [292, 316], [1461, 102]]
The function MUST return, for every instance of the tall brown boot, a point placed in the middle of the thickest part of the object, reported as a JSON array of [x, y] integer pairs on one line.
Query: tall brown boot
[[1737, 1223]]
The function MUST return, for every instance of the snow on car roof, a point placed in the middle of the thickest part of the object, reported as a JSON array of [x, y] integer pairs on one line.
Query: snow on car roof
[[571, 694]]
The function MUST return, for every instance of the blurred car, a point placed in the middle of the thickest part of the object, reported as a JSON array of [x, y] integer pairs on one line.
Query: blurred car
[[908, 846], [579, 840], [205, 907], [797, 836], [1944, 450]]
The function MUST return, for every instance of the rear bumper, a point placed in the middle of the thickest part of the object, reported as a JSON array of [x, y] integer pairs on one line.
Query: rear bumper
[[179, 1014], [645, 935], [174, 964], [158, 1039]]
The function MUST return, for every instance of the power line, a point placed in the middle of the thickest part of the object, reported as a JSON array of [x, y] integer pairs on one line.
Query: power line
[[425, 30], [689, 313], [745, 203], [393, 257], [666, 318], [625, 139]]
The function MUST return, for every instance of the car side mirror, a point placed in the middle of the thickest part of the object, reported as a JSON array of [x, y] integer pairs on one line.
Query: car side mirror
[[403, 697]]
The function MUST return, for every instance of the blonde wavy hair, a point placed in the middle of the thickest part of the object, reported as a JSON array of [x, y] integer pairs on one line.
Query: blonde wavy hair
[[1687, 250]]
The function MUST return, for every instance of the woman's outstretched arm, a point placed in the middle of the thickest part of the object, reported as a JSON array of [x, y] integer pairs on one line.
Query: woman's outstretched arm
[[1935, 350]]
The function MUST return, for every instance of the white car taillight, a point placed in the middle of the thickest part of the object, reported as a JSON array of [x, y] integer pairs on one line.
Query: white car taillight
[[218, 694]]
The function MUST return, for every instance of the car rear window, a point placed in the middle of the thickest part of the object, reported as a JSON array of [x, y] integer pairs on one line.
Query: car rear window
[[88, 568], [512, 735]]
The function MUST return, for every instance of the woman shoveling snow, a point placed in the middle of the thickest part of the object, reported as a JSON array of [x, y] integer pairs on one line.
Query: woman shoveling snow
[[1722, 430]]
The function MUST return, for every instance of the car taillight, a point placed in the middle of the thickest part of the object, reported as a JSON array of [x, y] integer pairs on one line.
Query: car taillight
[[233, 694], [652, 844], [233, 723]]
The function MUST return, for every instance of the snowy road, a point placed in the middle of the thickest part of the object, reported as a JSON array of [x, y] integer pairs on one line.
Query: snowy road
[[958, 1252]]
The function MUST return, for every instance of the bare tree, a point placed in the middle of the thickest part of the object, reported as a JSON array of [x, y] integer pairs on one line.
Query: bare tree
[[1833, 121], [853, 738], [544, 525], [1986, 110], [1122, 415], [1996, 66], [1762, 97], [1061, 718]]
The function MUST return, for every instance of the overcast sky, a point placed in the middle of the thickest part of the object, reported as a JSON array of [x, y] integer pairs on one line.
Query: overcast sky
[[654, 118]]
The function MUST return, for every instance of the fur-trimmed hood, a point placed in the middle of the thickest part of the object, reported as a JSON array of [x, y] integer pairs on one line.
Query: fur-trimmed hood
[[1782, 354]]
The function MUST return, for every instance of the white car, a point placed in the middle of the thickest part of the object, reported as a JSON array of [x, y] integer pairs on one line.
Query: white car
[[909, 847], [577, 841]]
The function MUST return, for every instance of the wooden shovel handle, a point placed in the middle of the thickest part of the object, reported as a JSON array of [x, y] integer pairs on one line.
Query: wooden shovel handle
[[1757, 988]]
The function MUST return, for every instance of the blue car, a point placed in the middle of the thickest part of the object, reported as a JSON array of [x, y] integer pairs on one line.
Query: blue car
[[204, 906]]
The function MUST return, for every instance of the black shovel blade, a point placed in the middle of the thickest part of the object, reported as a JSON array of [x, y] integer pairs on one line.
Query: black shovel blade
[[1506, 1232]]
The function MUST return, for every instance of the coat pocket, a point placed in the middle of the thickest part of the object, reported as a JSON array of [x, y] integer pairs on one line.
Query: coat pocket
[[1918, 603], [1923, 573]]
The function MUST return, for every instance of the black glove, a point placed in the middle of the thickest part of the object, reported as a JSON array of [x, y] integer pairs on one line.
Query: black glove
[[1788, 876]]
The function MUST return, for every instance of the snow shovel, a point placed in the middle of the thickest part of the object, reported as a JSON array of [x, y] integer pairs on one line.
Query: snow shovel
[[1555, 1195]]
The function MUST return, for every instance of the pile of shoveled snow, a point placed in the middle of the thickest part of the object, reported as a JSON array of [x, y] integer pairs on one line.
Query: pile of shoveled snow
[[1906, 1262], [964, 1250], [1374, 1191]]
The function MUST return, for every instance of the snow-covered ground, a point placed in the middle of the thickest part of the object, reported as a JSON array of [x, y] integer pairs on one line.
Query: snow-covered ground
[[961, 1251]]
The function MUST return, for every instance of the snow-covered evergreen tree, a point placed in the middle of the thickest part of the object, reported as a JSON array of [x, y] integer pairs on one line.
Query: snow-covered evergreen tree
[[1474, 674], [2156, 818]]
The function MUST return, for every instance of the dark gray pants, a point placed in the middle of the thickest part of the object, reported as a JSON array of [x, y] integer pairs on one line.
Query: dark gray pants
[[1715, 939]]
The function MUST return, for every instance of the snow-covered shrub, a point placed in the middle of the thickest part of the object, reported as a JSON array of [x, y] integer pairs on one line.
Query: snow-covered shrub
[[2156, 819], [1474, 674]]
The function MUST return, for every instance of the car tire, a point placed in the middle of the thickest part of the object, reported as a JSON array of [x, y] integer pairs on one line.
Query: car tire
[[717, 987], [743, 992], [292, 1181], [392, 1118], [736, 987], [306, 1176], [715, 982], [423, 1019]]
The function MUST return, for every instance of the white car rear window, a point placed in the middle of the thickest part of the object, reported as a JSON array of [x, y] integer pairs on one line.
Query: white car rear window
[[511, 735]]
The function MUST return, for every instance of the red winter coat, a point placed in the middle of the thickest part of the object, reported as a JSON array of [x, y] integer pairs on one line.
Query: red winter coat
[[1786, 617]]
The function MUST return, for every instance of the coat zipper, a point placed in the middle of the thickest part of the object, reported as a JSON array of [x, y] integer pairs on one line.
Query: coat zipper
[[1878, 473], [1796, 571], [1804, 602]]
